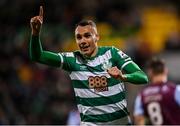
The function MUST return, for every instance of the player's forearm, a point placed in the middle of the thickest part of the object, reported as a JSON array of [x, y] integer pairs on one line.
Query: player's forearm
[[41, 56], [138, 77], [35, 48], [134, 74]]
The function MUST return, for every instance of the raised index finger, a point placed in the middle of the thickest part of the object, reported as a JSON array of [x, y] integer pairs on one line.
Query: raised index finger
[[41, 11]]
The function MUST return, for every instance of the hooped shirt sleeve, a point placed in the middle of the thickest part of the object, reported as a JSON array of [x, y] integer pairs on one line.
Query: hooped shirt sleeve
[[132, 71], [177, 94], [123, 61], [138, 108], [67, 60], [121, 58]]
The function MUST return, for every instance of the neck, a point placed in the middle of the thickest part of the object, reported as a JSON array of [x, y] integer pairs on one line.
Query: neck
[[92, 54], [159, 78]]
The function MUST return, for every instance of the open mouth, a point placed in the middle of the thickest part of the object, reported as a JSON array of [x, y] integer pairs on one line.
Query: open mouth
[[84, 48]]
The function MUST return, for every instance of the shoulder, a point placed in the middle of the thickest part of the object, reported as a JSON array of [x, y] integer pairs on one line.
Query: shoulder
[[76, 52], [171, 85], [177, 94], [112, 49], [71, 54], [68, 54], [178, 88], [109, 48], [105, 48]]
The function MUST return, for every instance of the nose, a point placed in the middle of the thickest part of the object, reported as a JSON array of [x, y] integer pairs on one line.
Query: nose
[[82, 41], [81, 44]]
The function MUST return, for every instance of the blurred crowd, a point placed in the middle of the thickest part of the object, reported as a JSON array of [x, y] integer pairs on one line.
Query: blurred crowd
[[32, 93]]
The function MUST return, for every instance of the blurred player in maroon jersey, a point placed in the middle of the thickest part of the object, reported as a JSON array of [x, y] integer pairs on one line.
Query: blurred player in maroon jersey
[[159, 102]]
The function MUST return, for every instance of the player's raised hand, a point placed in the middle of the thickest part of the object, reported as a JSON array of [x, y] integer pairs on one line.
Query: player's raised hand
[[116, 73], [36, 22]]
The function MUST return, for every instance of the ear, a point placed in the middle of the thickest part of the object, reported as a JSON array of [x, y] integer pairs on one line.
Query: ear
[[97, 37]]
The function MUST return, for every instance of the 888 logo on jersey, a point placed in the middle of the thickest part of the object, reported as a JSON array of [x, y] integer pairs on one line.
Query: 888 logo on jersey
[[98, 83]]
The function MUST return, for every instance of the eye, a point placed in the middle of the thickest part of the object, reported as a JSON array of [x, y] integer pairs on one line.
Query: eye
[[87, 35], [78, 37]]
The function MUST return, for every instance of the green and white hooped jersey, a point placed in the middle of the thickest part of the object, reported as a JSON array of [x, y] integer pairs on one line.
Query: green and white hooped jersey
[[100, 98]]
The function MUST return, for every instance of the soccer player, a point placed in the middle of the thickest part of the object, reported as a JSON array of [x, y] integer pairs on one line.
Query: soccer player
[[159, 102], [96, 73]]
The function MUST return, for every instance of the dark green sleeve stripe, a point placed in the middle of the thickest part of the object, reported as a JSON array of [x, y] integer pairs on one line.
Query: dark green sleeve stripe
[[50, 58], [38, 54], [131, 67], [138, 77], [105, 117], [101, 100], [134, 74], [84, 84], [35, 48]]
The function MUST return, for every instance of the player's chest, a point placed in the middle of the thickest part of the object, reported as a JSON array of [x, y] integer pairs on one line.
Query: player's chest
[[95, 77], [98, 65]]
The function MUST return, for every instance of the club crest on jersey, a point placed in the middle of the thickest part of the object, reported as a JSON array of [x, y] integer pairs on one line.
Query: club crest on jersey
[[106, 65]]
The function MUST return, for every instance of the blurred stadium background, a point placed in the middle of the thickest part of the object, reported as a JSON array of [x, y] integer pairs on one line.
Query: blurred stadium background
[[32, 93]]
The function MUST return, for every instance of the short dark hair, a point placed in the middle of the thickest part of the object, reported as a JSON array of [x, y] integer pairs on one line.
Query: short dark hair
[[85, 23], [157, 65]]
